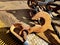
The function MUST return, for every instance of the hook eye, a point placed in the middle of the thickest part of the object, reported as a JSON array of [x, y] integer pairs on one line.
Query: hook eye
[[41, 21]]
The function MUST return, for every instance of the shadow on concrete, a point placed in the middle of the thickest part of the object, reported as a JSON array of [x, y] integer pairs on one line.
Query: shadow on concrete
[[51, 38], [22, 15]]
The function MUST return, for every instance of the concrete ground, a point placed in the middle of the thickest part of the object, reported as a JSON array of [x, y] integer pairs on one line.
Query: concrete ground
[[15, 11]]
